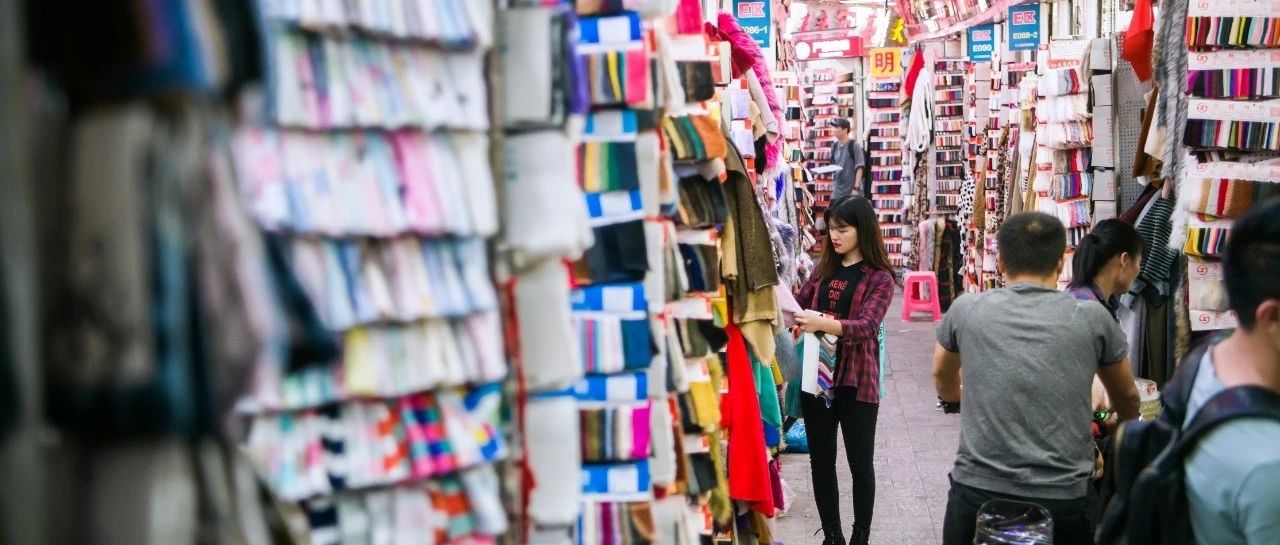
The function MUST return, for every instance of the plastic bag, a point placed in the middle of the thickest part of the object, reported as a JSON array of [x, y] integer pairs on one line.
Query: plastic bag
[[797, 442], [1007, 522]]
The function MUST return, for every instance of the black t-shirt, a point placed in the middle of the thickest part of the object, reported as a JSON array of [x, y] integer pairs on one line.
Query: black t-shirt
[[836, 295]]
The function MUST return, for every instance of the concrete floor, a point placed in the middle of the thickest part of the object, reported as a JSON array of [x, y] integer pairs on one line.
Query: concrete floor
[[915, 447]]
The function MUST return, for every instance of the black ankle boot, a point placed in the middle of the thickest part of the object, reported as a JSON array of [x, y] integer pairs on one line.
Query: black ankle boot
[[831, 539], [860, 536]]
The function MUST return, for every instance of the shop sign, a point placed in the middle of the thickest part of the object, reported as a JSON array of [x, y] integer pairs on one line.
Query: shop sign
[[982, 41], [753, 17], [1024, 27], [885, 62], [832, 48]]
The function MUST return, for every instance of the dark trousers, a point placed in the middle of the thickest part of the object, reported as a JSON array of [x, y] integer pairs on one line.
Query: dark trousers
[[1071, 524], [857, 421]]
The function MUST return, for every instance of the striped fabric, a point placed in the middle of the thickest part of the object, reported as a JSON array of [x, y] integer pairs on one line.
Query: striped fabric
[[1155, 228]]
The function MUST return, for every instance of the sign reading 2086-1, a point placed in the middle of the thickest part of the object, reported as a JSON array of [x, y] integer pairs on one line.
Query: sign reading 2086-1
[[753, 16]]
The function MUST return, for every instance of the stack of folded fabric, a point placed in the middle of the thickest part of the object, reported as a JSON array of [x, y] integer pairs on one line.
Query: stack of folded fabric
[[371, 179]]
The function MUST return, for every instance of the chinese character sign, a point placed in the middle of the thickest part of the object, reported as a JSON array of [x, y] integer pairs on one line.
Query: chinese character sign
[[753, 17], [885, 62], [982, 41], [1024, 27]]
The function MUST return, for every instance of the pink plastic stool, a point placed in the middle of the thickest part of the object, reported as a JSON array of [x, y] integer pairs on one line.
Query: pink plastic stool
[[913, 286]]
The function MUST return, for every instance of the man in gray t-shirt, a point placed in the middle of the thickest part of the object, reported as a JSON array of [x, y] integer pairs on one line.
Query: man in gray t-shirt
[[847, 154], [1028, 354]]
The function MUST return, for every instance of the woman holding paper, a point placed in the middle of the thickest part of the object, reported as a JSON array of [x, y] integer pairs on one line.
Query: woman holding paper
[[846, 298]]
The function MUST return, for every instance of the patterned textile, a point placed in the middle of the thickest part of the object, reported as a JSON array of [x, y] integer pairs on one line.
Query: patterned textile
[[860, 345], [919, 209], [948, 262]]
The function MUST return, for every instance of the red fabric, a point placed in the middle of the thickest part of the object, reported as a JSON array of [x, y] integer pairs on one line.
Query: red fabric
[[913, 73], [860, 344], [749, 479], [1139, 40]]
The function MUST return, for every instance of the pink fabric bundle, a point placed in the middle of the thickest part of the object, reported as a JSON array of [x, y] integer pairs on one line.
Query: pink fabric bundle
[[747, 55]]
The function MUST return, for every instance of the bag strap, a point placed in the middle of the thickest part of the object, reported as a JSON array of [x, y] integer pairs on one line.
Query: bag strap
[[1178, 390], [1229, 404]]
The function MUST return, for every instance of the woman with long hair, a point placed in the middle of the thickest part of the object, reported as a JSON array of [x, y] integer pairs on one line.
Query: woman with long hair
[[847, 297], [1106, 262]]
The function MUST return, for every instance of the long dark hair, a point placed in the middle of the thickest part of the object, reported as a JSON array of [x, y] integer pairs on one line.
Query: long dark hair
[[858, 213], [1108, 239]]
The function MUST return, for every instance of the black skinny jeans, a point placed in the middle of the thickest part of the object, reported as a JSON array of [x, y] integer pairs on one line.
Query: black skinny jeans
[[857, 421]]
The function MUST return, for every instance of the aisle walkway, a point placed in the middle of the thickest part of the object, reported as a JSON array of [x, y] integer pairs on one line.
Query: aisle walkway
[[915, 447]]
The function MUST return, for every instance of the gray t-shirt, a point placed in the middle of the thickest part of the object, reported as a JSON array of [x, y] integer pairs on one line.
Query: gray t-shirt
[[1028, 355], [849, 158], [1233, 477]]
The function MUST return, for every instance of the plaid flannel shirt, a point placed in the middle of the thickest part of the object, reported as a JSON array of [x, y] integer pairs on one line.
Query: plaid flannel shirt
[[860, 345]]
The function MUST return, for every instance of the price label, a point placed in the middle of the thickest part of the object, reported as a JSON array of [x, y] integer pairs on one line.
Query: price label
[[886, 62], [1204, 270], [1207, 320]]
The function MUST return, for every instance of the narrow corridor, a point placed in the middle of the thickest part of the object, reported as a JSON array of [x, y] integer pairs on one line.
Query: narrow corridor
[[915, 447]]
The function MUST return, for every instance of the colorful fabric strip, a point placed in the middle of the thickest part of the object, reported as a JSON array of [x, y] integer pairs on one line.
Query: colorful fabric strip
[[1206, 241]]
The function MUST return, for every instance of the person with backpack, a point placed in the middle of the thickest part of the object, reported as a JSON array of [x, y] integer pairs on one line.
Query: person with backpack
[[1028, 354], [1208, 469], [847, 153]]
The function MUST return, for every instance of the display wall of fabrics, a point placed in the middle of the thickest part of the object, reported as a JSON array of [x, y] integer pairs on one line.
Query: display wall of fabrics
[[949, 138], [1233, 62], [827, 96], [647, 430], [884, 142], [612, 311], [789, 88], [1063, 178], [372, 123]]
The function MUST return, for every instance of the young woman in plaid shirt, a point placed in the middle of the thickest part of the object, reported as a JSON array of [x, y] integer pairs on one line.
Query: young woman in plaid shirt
[[847, 297]]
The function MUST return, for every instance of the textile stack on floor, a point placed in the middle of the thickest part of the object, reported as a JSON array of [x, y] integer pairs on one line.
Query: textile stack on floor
[[370, 172]]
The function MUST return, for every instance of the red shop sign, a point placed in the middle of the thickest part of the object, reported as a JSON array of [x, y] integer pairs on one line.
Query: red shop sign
[[829, 48]]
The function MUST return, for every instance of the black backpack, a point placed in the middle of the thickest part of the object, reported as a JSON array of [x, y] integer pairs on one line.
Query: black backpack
[[1150, 502]]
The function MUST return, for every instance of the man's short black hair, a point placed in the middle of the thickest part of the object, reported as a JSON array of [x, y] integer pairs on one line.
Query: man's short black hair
[[1251, 264], [841, 123], [1032, 243]]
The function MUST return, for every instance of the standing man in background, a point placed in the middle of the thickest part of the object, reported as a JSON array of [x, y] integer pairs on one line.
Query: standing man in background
[[847, 154]]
